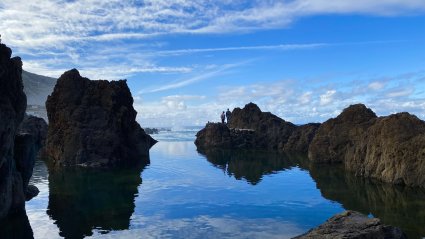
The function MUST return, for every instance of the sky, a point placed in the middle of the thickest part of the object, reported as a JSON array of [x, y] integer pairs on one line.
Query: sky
[[186, 61]]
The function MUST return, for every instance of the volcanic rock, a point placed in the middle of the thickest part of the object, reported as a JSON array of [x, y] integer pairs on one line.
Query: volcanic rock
[[93, 123], [271, 132], [301, 137], [351, 224], [35, 126], [391, 148], [12, 107], [218, 135]]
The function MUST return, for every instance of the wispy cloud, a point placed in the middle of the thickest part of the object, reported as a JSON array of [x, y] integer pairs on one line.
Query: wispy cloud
[[199, 77]]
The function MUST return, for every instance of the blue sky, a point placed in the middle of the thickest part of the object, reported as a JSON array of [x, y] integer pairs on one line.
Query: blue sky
[[186, 61]]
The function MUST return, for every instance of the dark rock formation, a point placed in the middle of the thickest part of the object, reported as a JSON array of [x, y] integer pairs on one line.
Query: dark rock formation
[[390, 148], [25, 151], [82, 199], [300, 139], [351, 224], [271, 132], [16, 226], [218, 135], [334, 139], [35, 126], [12, 107], [93, 123], [250, 128]]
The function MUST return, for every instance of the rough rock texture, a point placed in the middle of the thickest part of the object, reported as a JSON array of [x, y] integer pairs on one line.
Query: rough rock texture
[[218, 135], [250, 128], [12, 107], [334, 139], [271, 132], [93, 123], [351, 224], [391, 148], [35, 126], [300, 139]]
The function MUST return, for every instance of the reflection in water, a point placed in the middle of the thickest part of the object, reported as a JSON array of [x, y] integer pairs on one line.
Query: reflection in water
[[16, 226], [81, 200], [250, 165], [403, 207]]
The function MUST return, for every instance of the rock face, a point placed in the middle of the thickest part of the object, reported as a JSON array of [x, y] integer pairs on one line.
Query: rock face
[[271, 132], [92, 123], [351, 224], [250, 128], [391, 148], [12, 107]]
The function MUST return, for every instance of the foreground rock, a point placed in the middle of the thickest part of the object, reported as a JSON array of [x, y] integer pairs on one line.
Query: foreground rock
[[391, 148], [12, 107], [351, 224], [93, 123], [250, 128]]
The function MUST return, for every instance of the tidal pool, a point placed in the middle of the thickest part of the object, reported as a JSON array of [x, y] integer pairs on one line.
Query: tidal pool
[[184, 193]]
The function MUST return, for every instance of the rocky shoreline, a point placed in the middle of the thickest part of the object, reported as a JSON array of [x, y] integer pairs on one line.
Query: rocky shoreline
[[390, 148]]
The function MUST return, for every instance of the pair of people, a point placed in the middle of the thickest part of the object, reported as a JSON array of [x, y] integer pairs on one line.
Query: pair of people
[[227, 115]]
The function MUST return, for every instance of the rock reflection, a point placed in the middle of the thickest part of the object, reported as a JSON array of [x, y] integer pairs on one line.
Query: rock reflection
[[250, 165], [399, 206], [81, 200], [16, 226]]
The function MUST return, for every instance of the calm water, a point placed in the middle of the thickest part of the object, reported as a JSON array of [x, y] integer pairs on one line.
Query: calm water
[[216, 194]]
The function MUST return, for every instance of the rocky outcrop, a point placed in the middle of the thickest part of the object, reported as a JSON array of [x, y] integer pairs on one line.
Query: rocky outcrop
[[12, 107], [351, 224], [300, 139], [391, 148], [151, 130], [250, 128], [271, 132], [218, 135], [93, 123]]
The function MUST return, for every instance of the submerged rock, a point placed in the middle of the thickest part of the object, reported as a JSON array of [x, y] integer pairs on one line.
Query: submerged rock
[[93, 123], [351, 224], [391, 148], [12, 107]]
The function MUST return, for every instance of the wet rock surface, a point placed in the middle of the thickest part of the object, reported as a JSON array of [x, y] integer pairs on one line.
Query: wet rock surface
[[351, 224], [12, 107], [93, 124]]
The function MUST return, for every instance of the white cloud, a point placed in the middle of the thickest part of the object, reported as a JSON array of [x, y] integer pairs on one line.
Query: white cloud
[[327, 97], [376, 85]]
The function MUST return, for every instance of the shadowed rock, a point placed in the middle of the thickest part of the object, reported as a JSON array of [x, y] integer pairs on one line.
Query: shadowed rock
[[35, 126], [93, 123], [351, 224], [12, 107]]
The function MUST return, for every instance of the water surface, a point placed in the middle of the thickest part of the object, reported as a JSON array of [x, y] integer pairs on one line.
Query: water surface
[[184, 193]]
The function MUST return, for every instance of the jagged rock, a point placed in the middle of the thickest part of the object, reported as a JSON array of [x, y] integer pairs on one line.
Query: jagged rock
[[271, 132], [351, 224], [93, 123], [12, 107], [334, 139], [390, 148], [300, 139], [25, 151], [31, 192], [35, 126]]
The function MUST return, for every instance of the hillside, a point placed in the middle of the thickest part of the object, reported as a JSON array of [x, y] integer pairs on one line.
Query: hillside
[[37, 87]]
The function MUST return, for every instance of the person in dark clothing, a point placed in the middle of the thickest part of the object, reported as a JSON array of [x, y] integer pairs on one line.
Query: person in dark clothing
[[228, 115], [223, 116]]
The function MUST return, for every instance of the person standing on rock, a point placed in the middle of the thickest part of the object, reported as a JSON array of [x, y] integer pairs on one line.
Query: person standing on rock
[[223, 116], [228, 115]]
